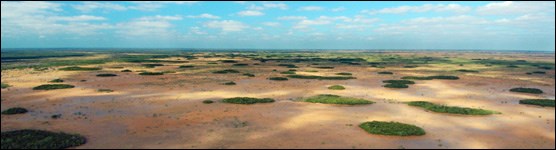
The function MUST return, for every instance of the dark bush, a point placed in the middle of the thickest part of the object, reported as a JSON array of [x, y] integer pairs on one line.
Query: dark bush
[[385, 72], [53, 87], [127, 70], [14, 111], [321, 77], [79, 69], [344, 74], [396, 85], [151, 73], [187, 66], [278, 78], [247, 100], [527, 90], [230, 83], [225, 71], [208, 102], [399, 81], [392, 128], [106, 75], [449, 109], [57, 81], [538, 102], [249, 74], [35, 139], [335, 99], [152, 65]]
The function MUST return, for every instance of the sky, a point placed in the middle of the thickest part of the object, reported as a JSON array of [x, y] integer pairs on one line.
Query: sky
[[476, 25]]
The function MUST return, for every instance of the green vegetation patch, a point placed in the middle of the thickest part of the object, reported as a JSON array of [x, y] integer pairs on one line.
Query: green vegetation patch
[[335, 99], [468, 71], [230, 83], [538, 102], [53, 87], [288, 72], [79, 69], [208, 102], [527, 90], [278, 78], [14, 111], [336, 87], [187, 66], [450, 109], [324, 67], [127, 70], [228, 61], [4, 85], [249, 74], [392, 128], [344, 74], [288, 65], [35, 139], [399, 81], [106, 75], [225, 71], [396, 86], [321, 77], [247, 100], [240, 65], [105, 90], [57, 81], [385, 72], [431, 78], [151, 73], [152, 65]]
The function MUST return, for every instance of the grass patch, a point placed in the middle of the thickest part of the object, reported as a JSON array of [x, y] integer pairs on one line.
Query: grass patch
[[527, 90], [228, 61], [311, 71], [278, 78], [399, 81], [385, 72], [468, 71], [396, 86], [288, 65], [392, 128], [240, 65], [321, 77], [247, 100], [410, 66], [335, 99], [35, 139], [344, 74], [225, 71], [445, 77], [538, 102], [105, 90], [450, 109], [127, 70], [288, 72], [249, 74], [324, 67], [230, 83], [208, 102], [14, 111], [187, 66], [4, 85], [152, 65], [79, 69], [53, 87], [56, 81], [430, 78], [336, 87], [106, 75], [151, 73]]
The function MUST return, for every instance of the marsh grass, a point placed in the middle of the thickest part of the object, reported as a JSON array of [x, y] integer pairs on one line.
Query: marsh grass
[[336, 87], [335, 99], [538, 102], [247, 100], [14, 111], [527, 90], [392, 128], [53, 87], [321, 77], [35, 139], [75, 68], [451, 109]]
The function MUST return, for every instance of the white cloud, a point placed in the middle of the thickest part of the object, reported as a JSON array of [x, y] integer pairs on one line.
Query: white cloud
[[149, 26], [311, 8], [160, 18], [338, 9], [276, 5], [205, 16], [456, 8], [91, 6], [250, 13], [271, 24], [79, 18], [227, 25], [292, 18], [511, 7], [197, 31]]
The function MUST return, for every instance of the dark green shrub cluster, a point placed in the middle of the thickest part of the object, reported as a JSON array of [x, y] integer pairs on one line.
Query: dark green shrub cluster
[[240, 65], [4, 85], [538, 102], [288, 72], [105, 90], [469, 71], [385, 72], [230, 83], [336, 87], [392, 128], [512, 66], [288, 65], [324, 67], [450, 109], [228, 61], [431, 78], [410, 66], [399, 81], [152, 65], [527, 90], [225, 71], [321, 77], [14, 111], [208, 102], [187, 66], [396, 86], [344, 74], [79, 69], [249, 74], [57, 81], [278, 78], [53, 87], [539, 72], [127, 70], [151, 73], [247, 100], [35, 139], [106, 75], [335, 99]]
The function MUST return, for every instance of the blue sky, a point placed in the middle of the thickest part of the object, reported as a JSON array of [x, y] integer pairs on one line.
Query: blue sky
[[280, 25]]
